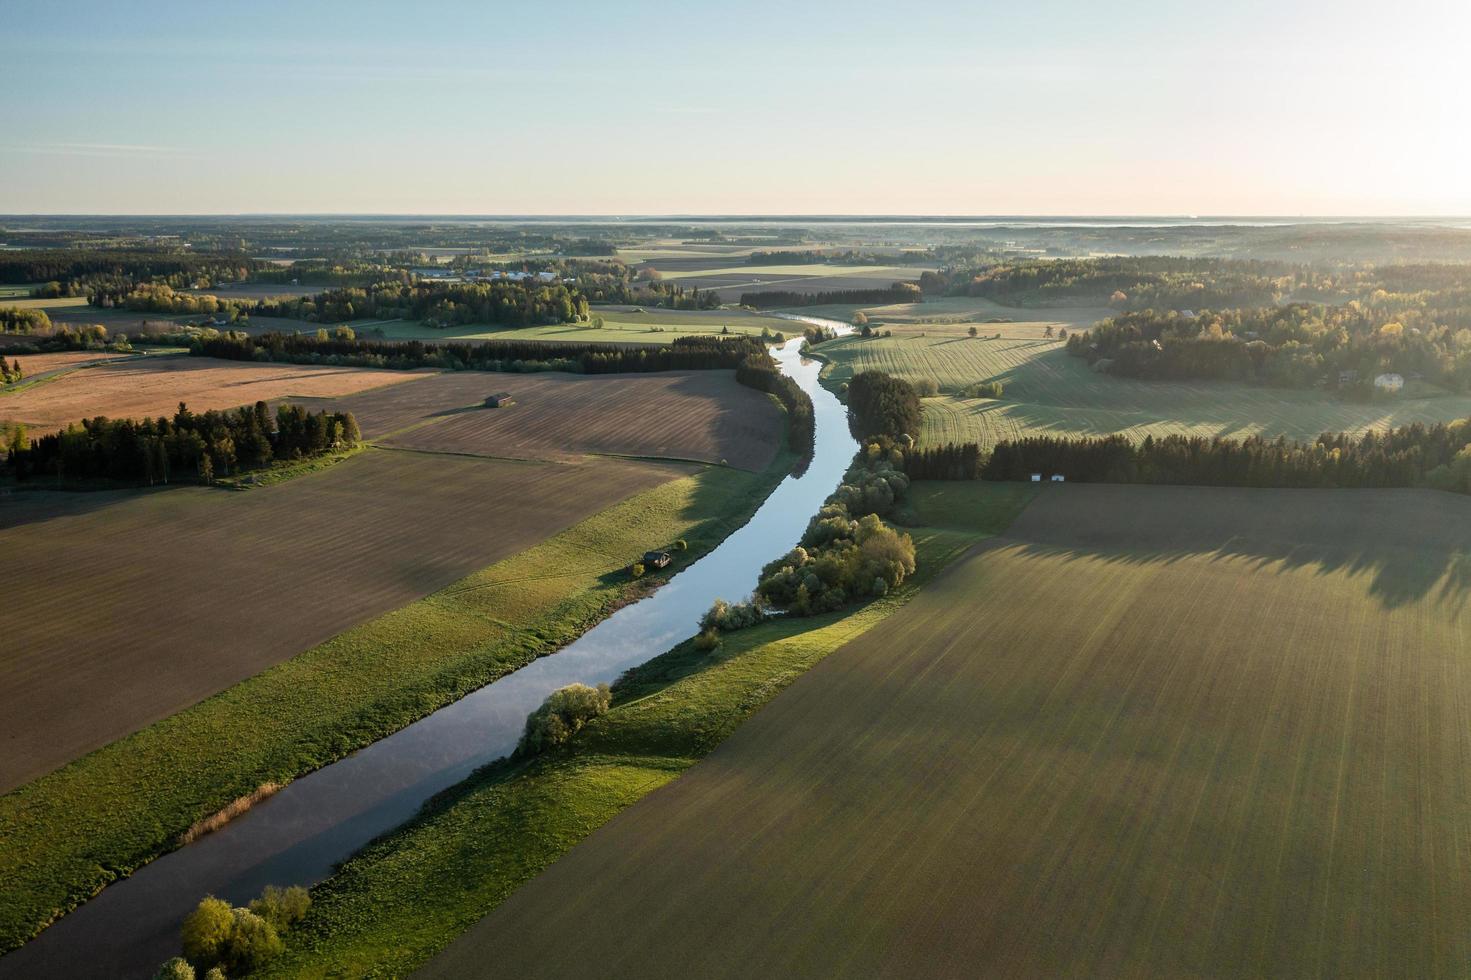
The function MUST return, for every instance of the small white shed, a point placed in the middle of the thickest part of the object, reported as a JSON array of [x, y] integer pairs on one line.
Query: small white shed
[[1036, 477], [1058, 478]]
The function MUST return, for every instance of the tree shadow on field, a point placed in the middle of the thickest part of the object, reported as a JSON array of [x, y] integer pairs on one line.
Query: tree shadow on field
[[33, 503], [1411, 545]]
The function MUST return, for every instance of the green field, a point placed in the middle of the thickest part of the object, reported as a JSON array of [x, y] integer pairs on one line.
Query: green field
[[1148, 731], [69, 833], [410, 894], [1048, 392]]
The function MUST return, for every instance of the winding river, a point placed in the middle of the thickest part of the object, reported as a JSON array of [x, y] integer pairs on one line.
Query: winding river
[[297, 836]]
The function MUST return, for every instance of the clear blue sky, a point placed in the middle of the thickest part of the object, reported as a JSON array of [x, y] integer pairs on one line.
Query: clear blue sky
[[1051, 107]]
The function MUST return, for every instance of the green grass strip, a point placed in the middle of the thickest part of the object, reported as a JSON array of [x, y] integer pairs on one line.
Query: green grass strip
[[409, 894], [70, 833]]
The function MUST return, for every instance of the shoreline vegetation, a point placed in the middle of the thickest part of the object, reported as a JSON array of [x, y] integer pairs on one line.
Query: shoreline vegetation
[[73, 831], [410, 893]]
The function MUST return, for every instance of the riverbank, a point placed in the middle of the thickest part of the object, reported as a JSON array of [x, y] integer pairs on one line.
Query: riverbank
[[75, 831], [408, 895]]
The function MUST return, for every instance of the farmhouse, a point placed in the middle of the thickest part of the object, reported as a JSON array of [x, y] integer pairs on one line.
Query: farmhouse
[[1390, 382]]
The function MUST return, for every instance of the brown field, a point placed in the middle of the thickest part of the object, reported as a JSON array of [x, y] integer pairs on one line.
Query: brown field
[[148, 387], [699, 415], [35, 365], [1147, 732], [137, 605]]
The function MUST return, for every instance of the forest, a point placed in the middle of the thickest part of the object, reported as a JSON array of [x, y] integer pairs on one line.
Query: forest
[[1135, 283], [1417, 455], [189, 447], [65, 268], [899, 292], [1296, 345], [513, 304]]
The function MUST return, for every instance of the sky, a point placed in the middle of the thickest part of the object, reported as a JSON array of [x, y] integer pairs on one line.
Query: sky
[[1048, 107]]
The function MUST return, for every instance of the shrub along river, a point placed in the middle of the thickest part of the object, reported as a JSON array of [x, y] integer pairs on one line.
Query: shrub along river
[[298, 835]]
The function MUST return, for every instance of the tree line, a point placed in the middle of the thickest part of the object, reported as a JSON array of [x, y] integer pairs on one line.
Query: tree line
[[185, 448], [899, 292], [683, 354], [1416, 455], [759, 370]]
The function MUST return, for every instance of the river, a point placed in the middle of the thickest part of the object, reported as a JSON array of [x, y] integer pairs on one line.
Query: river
[[298, 835]]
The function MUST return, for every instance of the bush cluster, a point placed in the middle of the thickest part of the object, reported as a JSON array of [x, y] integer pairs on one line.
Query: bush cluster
[[847, 553], [725, 616], [229, 941], [561, 715]]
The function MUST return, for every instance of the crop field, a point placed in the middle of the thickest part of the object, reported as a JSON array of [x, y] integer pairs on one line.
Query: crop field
[[701, 415], [1048, 392], [139, 604], [35, 365], [1147, 731], [152, 386]]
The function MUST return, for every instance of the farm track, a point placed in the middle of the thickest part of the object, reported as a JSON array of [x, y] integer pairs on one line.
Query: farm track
[[140, 604], [1149, 731]]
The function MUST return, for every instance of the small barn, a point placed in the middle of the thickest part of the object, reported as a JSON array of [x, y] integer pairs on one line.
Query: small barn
[[499, 400], [1389, 382], [657, 559]]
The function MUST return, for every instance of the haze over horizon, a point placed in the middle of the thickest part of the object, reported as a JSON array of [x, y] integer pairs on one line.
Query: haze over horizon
[[1061, 108]]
